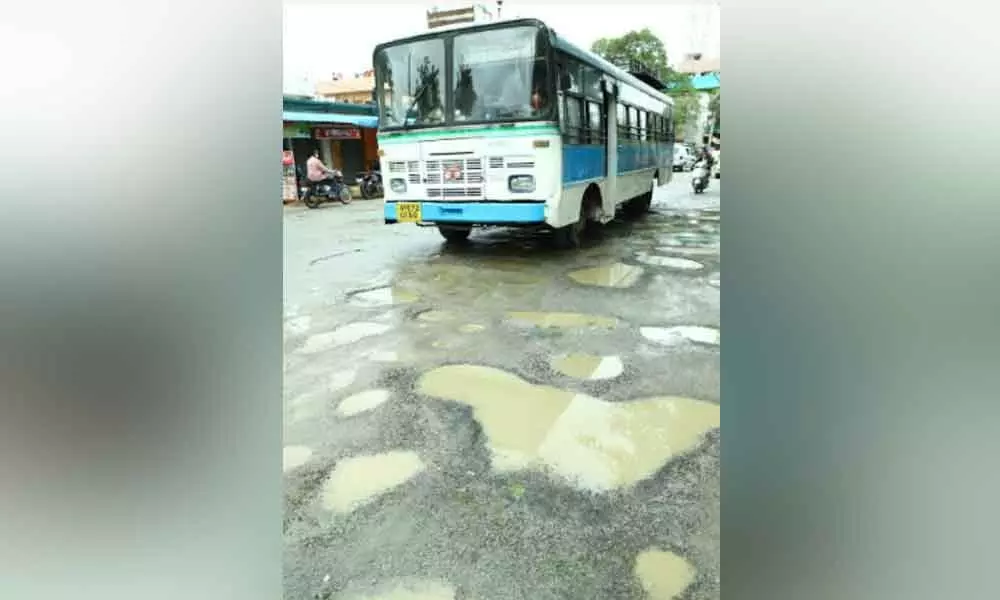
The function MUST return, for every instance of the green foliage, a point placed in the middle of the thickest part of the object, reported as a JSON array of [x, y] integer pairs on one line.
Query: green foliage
[[715, 107], [645, 48], [635, 46], [685, 109]]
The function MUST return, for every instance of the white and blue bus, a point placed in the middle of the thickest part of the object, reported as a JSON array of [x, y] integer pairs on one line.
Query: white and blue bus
[[509, 124]]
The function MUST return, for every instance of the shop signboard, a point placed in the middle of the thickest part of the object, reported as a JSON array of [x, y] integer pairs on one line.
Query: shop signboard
[[337, 133], [295, 131], [289, 189]]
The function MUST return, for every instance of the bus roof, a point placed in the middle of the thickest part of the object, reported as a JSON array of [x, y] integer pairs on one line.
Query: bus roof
[[558, 42]]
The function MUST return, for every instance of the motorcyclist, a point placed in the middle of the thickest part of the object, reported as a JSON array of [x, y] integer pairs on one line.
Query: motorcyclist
[[316, 171], [707, 157]]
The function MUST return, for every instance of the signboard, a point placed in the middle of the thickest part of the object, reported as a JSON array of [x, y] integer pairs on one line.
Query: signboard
[[296, 131], [337, 133], [289, 188]]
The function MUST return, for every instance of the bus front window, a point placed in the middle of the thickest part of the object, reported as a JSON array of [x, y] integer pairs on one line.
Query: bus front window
[[411, 80], [500, 75]]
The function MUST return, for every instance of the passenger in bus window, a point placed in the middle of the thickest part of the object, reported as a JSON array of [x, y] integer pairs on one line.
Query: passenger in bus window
[[465, 94]]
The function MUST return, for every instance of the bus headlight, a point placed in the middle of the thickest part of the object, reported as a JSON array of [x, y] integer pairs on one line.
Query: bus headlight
[[398, 185], [521, 184]]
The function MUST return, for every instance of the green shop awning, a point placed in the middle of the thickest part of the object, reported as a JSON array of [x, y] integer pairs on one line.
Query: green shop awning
[[329, 118]]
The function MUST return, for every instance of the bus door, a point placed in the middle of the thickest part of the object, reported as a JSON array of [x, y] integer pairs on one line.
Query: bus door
[[610, 105]]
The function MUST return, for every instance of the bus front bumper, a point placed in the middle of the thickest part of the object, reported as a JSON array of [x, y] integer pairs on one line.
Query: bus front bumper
[[472, 213]]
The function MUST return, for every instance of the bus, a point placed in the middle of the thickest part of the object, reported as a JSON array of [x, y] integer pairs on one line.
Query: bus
[[509, 124]]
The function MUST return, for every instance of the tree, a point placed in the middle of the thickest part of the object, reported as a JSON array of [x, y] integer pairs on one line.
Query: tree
[[641, 47], [644, 48], [715, 109]]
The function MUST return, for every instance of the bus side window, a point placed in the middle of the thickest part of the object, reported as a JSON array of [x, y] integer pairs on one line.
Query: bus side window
[[622, 122], [573, 128], [594, 119], [642, 125]]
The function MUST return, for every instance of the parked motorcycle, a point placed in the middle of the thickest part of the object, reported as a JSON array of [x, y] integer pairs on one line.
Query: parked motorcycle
[[370, 183], [314, 193], [701, 177]]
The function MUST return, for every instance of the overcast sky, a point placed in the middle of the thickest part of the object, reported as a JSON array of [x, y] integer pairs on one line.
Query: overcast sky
[[322, 37]]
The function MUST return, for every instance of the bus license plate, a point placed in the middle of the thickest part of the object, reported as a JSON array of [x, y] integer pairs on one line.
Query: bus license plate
[[408, 212]]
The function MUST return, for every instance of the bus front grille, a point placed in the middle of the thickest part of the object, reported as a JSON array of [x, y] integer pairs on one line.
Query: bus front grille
[[454, 178], [455, 192]]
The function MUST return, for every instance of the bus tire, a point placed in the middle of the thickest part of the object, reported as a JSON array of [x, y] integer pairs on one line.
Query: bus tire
[[569, 237], [454, 234], [639, 206], [572, 235]]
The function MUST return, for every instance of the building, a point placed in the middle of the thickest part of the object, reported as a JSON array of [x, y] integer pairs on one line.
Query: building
[[358, 88], [704, 73], [458, 13], [343, 133], [353, 90]]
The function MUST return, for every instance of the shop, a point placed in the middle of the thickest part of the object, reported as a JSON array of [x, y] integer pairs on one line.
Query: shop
[[344, 134]]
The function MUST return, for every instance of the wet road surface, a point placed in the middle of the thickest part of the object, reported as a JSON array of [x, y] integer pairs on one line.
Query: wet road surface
[[501, 419]]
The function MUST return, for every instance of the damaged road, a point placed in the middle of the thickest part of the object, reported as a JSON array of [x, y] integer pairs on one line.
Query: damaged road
[[502, 420]]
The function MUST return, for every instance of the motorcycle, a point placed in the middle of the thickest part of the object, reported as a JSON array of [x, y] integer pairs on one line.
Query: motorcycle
[[314, 193], [370, 183], [701, 177]]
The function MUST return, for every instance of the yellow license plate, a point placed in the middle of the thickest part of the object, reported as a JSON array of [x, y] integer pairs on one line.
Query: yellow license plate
[[408, 212]]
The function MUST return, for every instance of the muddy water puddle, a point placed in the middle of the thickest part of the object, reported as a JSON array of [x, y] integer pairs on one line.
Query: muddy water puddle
[[383, 296], [590, 443], [407, 590], [672, 336], [362, 402], [293, 457], [663, 575], [562, 320], [357, 481], [348, 334], [588, 366], [671, 262], [615, 275]]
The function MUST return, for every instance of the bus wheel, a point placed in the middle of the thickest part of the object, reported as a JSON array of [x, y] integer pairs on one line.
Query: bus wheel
[[454, 234], [639, 205], [569, 237]]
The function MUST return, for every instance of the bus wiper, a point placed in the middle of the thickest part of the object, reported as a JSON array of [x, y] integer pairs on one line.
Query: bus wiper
[[416, 98]]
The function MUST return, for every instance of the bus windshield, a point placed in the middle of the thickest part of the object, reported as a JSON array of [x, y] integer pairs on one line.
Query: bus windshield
[[497, 75], [412, 80]]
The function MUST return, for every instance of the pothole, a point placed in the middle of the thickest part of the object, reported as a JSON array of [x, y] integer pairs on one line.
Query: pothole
[[293, 457], [591, 444], [616, 275], [436, 316], [672, 262], [358, 480], [408, 590], [362, 402], [672, 336], [663, 575], [348, 334], [561, 320], [382, 296], [588, 366]]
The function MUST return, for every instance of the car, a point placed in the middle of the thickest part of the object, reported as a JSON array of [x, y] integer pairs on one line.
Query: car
[[684, 159]]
